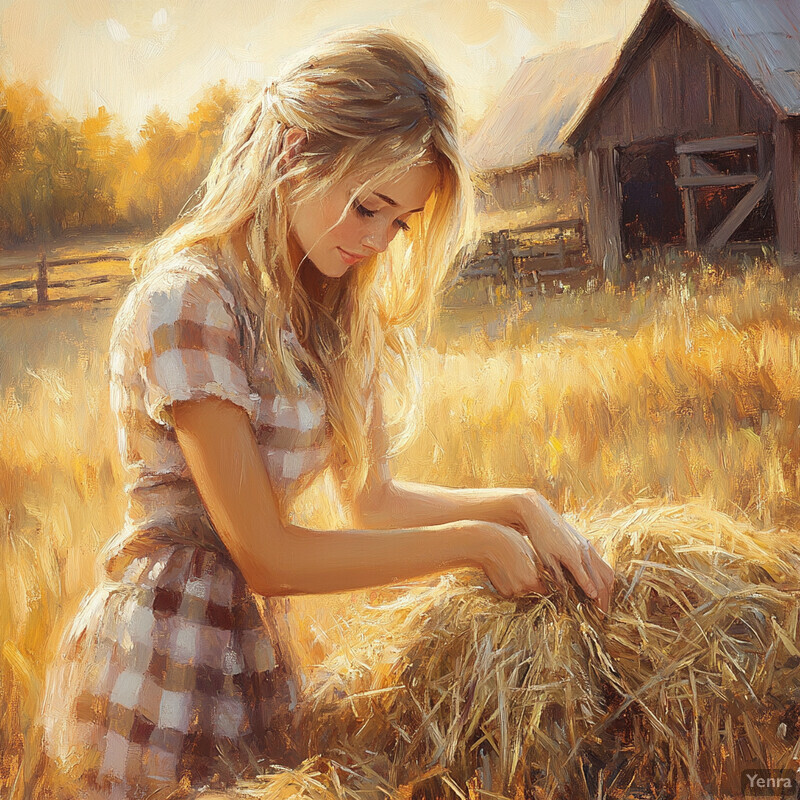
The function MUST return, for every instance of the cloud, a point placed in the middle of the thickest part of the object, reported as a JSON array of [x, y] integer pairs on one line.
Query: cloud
[[134, 55], [160, 19], [587, 21], [117, 31]]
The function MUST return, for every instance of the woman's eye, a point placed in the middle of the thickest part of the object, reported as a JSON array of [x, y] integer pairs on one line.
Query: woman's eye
[[365, 212]]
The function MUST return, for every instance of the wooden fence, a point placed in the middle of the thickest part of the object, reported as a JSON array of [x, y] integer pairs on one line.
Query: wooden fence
[[511, 257], [43, 281]]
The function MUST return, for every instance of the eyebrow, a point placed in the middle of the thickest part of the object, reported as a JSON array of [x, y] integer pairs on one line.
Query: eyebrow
[[393, 203]]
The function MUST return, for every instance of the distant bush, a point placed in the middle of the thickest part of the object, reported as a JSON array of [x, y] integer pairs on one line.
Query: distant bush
[[61, 174]]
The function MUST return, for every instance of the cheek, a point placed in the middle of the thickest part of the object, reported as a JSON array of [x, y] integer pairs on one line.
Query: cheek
[[330, 225], [349, 230]]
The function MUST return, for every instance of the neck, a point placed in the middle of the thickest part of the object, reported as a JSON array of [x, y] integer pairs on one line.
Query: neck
[[314, 282], [311, 279]]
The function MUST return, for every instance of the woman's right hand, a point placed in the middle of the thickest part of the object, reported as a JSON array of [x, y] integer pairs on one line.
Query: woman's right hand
[[507, 558]]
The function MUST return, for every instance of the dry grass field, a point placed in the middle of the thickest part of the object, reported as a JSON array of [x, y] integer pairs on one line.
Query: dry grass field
[[680, 393]]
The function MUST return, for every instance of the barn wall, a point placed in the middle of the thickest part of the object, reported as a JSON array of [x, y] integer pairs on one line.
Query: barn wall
[[679, 87], [604, 209], [786, 180], [548, 181]]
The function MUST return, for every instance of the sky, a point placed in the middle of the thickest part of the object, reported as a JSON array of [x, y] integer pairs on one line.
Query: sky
[[131, 55]]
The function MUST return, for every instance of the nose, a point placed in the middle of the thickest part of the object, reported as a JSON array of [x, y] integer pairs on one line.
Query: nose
[[376, 239]]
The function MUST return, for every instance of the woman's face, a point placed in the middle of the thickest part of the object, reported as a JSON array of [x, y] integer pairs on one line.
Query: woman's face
[[368, 225]]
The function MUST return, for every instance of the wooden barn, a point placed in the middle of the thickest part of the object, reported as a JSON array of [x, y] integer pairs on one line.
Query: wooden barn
[[693, 137], [518, 153]]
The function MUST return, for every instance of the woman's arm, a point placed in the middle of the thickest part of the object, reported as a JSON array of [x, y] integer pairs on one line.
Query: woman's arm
[[557, 543], [396, 503], [221, 452], [386, 502]]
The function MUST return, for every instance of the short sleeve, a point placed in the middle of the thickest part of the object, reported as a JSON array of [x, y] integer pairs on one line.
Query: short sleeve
[[189, 345]]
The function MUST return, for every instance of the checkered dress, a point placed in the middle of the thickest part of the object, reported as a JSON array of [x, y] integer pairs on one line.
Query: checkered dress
[[171, 670]]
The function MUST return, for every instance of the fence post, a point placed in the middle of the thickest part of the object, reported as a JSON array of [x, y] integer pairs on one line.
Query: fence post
[[506, 258], [41, 281]]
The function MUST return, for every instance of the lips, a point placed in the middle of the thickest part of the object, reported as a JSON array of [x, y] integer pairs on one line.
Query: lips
[[350, 258]]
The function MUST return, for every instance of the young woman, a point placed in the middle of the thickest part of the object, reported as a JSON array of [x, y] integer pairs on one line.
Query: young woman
[[251, 354]]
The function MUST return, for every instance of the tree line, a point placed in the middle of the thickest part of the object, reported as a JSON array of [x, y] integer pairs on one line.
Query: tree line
[[61, 174]]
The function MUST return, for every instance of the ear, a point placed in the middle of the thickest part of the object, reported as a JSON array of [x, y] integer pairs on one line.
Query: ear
[[294, 139]]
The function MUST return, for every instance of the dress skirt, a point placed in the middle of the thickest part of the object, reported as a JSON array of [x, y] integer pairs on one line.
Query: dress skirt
[[167, 677]]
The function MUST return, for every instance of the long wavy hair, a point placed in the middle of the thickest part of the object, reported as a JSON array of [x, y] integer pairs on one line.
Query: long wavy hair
[[372, 104]]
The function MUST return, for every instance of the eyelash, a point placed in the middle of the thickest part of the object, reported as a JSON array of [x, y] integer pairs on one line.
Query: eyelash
[[365, 212]]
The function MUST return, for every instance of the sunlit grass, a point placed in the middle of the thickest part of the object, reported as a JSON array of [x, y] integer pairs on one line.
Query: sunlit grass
[[691, 388], [684, 387]]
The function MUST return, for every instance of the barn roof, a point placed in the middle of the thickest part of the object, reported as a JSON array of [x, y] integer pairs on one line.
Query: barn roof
[[532, 113], [761, 39]]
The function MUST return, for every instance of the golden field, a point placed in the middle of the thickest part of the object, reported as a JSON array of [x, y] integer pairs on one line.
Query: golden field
[[683, 390]]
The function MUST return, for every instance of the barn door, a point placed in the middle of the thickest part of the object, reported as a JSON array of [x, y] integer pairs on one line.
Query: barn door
[[725, 163]]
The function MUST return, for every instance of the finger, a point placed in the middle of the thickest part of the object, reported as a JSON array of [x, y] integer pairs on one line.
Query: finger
[[537, 587], [500, 587], [602, 589], [603, 576], [555, 570], [529, 548], [603, 571], [535, 581], [606, 570], [588, 547], [586, 583], [598, 571]]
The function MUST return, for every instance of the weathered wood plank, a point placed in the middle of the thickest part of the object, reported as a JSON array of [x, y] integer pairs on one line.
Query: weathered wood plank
[[764, 156], [612, 213], [67, 262], [701, 167], [8, 287], [551, 275], [697, 181], [479, 273], [535, 252], [90, 280], [545, 226], [785, 192], [689, 205], [655, 108], [718, 144], [604, 223], [742, 210]]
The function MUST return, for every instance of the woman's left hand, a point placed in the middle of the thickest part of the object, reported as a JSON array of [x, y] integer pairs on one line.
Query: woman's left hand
[[559, 545]]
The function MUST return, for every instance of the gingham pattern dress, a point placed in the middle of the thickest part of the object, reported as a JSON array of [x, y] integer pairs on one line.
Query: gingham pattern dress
[[171, 673]]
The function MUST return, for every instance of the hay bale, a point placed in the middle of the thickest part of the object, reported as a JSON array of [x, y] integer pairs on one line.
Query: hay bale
[[317, 778], [693, 675]]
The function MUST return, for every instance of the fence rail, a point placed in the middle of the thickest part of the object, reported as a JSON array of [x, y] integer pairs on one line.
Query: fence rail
[[44, 282]]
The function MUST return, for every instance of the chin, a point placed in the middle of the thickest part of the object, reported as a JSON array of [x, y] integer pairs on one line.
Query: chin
[[334, 271]]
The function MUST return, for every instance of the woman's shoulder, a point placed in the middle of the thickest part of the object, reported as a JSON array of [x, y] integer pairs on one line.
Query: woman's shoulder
[[177, 338], [193, 267], [187, 282]]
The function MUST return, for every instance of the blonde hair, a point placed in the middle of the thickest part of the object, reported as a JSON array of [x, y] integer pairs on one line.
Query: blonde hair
[[370, 103]]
